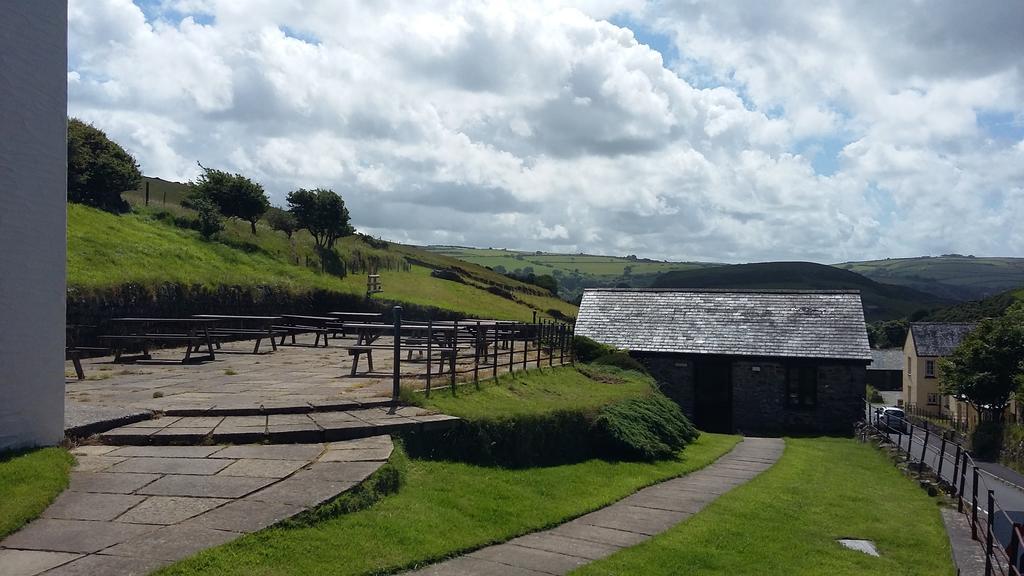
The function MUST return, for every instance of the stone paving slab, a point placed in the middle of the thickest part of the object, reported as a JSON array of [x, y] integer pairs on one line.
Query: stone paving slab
[[163, 503], [630, 521]]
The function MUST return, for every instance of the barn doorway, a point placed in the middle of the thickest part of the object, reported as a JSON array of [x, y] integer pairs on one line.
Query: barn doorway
[[713, 396]]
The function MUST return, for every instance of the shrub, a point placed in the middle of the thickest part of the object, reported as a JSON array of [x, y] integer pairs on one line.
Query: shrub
[[234, 195], [281, 220], [986, 440], [447, 274], [99, 169], [649, 428], [874, 396], [620, 359], [210, 220], [588, 350]]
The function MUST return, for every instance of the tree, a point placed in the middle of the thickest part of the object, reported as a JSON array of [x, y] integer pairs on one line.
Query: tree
[[987, 368], [282, 221], [234, 195], [321, 212], [99, 170]]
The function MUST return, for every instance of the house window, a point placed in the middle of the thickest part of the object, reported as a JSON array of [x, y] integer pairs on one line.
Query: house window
[[929, 368], [802, 387], [933, 399], [910, 367]]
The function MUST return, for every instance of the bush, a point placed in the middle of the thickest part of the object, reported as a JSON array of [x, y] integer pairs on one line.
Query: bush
[[874, 396], [986, 440], [99, 169], [620, 359], [446, 274], [651, 428], [210, 220], [588, 350]]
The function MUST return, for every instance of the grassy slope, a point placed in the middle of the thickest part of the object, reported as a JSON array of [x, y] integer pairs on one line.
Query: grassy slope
[[881, 301], [787, 520], [976, 310], [544, 391], [444, 509], [958, 277], [106, 250], [28, 483]]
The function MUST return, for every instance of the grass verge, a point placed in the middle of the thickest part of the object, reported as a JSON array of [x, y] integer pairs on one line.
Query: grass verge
[[444, 509], [539, 392], [786, 521], [29, 481]]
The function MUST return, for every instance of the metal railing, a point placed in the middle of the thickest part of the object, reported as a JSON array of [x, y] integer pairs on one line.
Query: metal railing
[[1001, 537]]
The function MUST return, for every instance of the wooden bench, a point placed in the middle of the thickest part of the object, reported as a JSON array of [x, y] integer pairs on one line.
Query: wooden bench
[[293, 330], [74, 353], [233, 327]]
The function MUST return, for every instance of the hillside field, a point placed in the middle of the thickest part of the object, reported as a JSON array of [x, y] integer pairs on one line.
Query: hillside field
[[147, 247], [954, 277]]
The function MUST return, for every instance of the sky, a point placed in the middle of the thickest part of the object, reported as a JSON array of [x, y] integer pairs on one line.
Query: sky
[[682, 130]]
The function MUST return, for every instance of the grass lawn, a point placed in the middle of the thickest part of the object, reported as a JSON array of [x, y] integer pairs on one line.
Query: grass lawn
[[540, 392], [29, 481], [786, 522], [444, 509]]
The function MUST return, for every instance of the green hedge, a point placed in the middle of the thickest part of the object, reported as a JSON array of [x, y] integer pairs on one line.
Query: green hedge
[[648, 428]]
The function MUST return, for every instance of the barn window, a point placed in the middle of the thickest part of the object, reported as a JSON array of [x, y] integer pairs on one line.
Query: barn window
[[802, 387]]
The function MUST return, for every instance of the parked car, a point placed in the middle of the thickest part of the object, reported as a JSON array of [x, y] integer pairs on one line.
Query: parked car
[[892, 419]]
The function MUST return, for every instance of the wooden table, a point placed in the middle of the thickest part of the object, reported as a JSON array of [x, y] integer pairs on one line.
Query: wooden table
[[264, 328], [368, 333], [192, 331], [355, 317], [293, 324]]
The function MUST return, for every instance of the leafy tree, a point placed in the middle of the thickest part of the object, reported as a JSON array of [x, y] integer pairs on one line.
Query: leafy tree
[[234, 195], [987, 368], [282, 221], [322, 213], [99, 170], [210, 219]]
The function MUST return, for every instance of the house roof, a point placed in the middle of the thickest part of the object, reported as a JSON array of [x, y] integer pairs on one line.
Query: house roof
[[782, 323], [887, 359], [938, 338]]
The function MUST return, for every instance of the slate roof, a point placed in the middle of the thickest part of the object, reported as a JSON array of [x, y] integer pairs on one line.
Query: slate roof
[[887, 359], [773, 323], [938, 338]]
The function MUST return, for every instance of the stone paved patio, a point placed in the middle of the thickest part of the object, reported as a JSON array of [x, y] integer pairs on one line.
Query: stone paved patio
[[132, 509], [628, 522]]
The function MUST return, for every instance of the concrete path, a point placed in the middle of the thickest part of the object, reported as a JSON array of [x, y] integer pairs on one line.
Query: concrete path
[[133, 509], [626, 523], [968, 554]]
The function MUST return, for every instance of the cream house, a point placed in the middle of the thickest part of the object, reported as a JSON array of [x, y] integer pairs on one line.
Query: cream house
[[926, 344]]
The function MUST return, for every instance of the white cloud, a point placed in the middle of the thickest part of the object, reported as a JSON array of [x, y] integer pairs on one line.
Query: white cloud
[[542, 126]]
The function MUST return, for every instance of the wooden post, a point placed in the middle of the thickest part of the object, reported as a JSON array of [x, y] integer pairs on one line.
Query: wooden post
[[526, 344], [942, 456], [988, 533], [455, 352], [963, 480], [494, 367], [397, 372], [511, 348], [430, 349], [974, 504], [551, 344], [147, 192], [924, 449], [536, 329], [956, 468], [476, 355]]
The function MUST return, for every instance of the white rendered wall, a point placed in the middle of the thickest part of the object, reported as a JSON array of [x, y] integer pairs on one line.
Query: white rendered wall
[[33, 195]]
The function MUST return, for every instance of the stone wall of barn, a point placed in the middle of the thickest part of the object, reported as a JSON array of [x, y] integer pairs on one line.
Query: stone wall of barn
[[759, 394]]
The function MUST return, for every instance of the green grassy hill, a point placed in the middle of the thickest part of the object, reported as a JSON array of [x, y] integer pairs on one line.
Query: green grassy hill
[[976, 310], [881, 301], [574, 272], [153, 246], [954, 277]]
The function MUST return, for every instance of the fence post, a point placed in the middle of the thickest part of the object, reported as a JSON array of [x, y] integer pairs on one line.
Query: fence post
[[512, 348], [974, 503], [537, 330], [454, 353], [494, 368], [397, 372], [988, 533], [526, 345], [430, 349], [942, 456], [910, 444], [924, 450], [963, 480], [551, 344], [476, 355], [956, 468], [1013, 551]]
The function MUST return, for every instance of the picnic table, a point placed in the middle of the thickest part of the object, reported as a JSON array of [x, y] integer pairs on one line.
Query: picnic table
[[258, 327], [322, 326], [194, 332], [355, 317], [73, 351], [417, 338]]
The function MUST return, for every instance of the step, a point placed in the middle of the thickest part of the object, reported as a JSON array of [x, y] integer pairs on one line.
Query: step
[[277, 428], [278, 407]]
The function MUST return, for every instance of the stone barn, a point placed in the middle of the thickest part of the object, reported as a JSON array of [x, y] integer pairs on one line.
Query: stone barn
[[766, 361]]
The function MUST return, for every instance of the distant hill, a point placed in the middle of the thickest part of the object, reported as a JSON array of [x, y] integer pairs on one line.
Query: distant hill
[[574, 272], [881, 301], [953, 276], [971, 311]]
